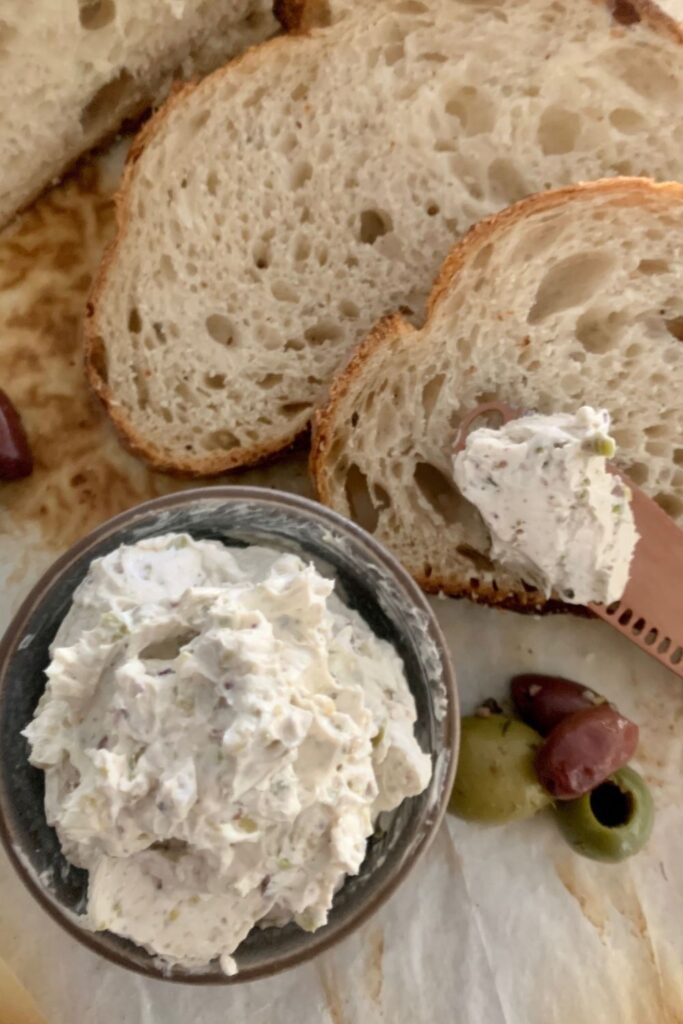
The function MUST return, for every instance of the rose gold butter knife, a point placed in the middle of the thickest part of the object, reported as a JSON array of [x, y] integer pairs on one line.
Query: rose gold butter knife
[[650, 611]]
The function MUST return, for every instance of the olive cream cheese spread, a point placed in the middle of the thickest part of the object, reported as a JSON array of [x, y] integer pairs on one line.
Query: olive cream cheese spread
[[557, 517], [218, 734]]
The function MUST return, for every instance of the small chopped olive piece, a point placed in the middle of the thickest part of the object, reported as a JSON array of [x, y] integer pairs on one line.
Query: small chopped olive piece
[[612, 822], [543, 701], [495, 780], [378, 737], [584, 749], [604, 446], [488, 707]]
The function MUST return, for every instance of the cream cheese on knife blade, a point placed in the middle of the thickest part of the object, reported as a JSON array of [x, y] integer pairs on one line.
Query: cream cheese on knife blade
[[218, 734], [557, 517]]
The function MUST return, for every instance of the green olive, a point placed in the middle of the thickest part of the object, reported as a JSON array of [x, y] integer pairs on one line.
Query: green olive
[[613, 821], [496, 780]]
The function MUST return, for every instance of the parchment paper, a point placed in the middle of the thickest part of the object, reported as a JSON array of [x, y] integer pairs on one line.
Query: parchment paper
[[16, 1005], [495, 925], [674, 8]]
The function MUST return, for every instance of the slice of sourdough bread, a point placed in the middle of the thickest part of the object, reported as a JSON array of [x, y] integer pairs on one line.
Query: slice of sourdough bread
[[71, 72], [272, 213], [568, 298]]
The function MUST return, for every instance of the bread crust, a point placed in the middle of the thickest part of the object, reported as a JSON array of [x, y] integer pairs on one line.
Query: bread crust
[[393, 327], [296, 15]]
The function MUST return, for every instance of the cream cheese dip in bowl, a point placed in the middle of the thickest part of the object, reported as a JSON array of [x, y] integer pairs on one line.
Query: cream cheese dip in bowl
[[292, 747]]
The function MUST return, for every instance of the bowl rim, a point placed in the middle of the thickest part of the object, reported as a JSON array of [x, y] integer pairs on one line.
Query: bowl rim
[[13, 635]]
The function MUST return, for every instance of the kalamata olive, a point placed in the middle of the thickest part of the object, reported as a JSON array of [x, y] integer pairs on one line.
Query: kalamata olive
[[495, 780], [15, 455], [584, 749], [613, 821], [543, 701]]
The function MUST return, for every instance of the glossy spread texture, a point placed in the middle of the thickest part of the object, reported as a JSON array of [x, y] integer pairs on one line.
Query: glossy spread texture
[[557, 517], [218, 734]]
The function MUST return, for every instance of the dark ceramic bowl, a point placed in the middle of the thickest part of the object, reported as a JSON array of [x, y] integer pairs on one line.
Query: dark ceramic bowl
[[367, 578]]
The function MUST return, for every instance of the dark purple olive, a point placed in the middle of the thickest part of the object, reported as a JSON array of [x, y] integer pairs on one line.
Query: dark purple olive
[[543, 701], [584, 749], [16, 460]]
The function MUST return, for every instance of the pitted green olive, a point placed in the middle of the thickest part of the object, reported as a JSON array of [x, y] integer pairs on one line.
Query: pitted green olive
[[613, 821], [495, 780]]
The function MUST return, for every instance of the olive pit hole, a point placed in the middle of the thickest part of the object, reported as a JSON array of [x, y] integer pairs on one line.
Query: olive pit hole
[[611, 806]]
